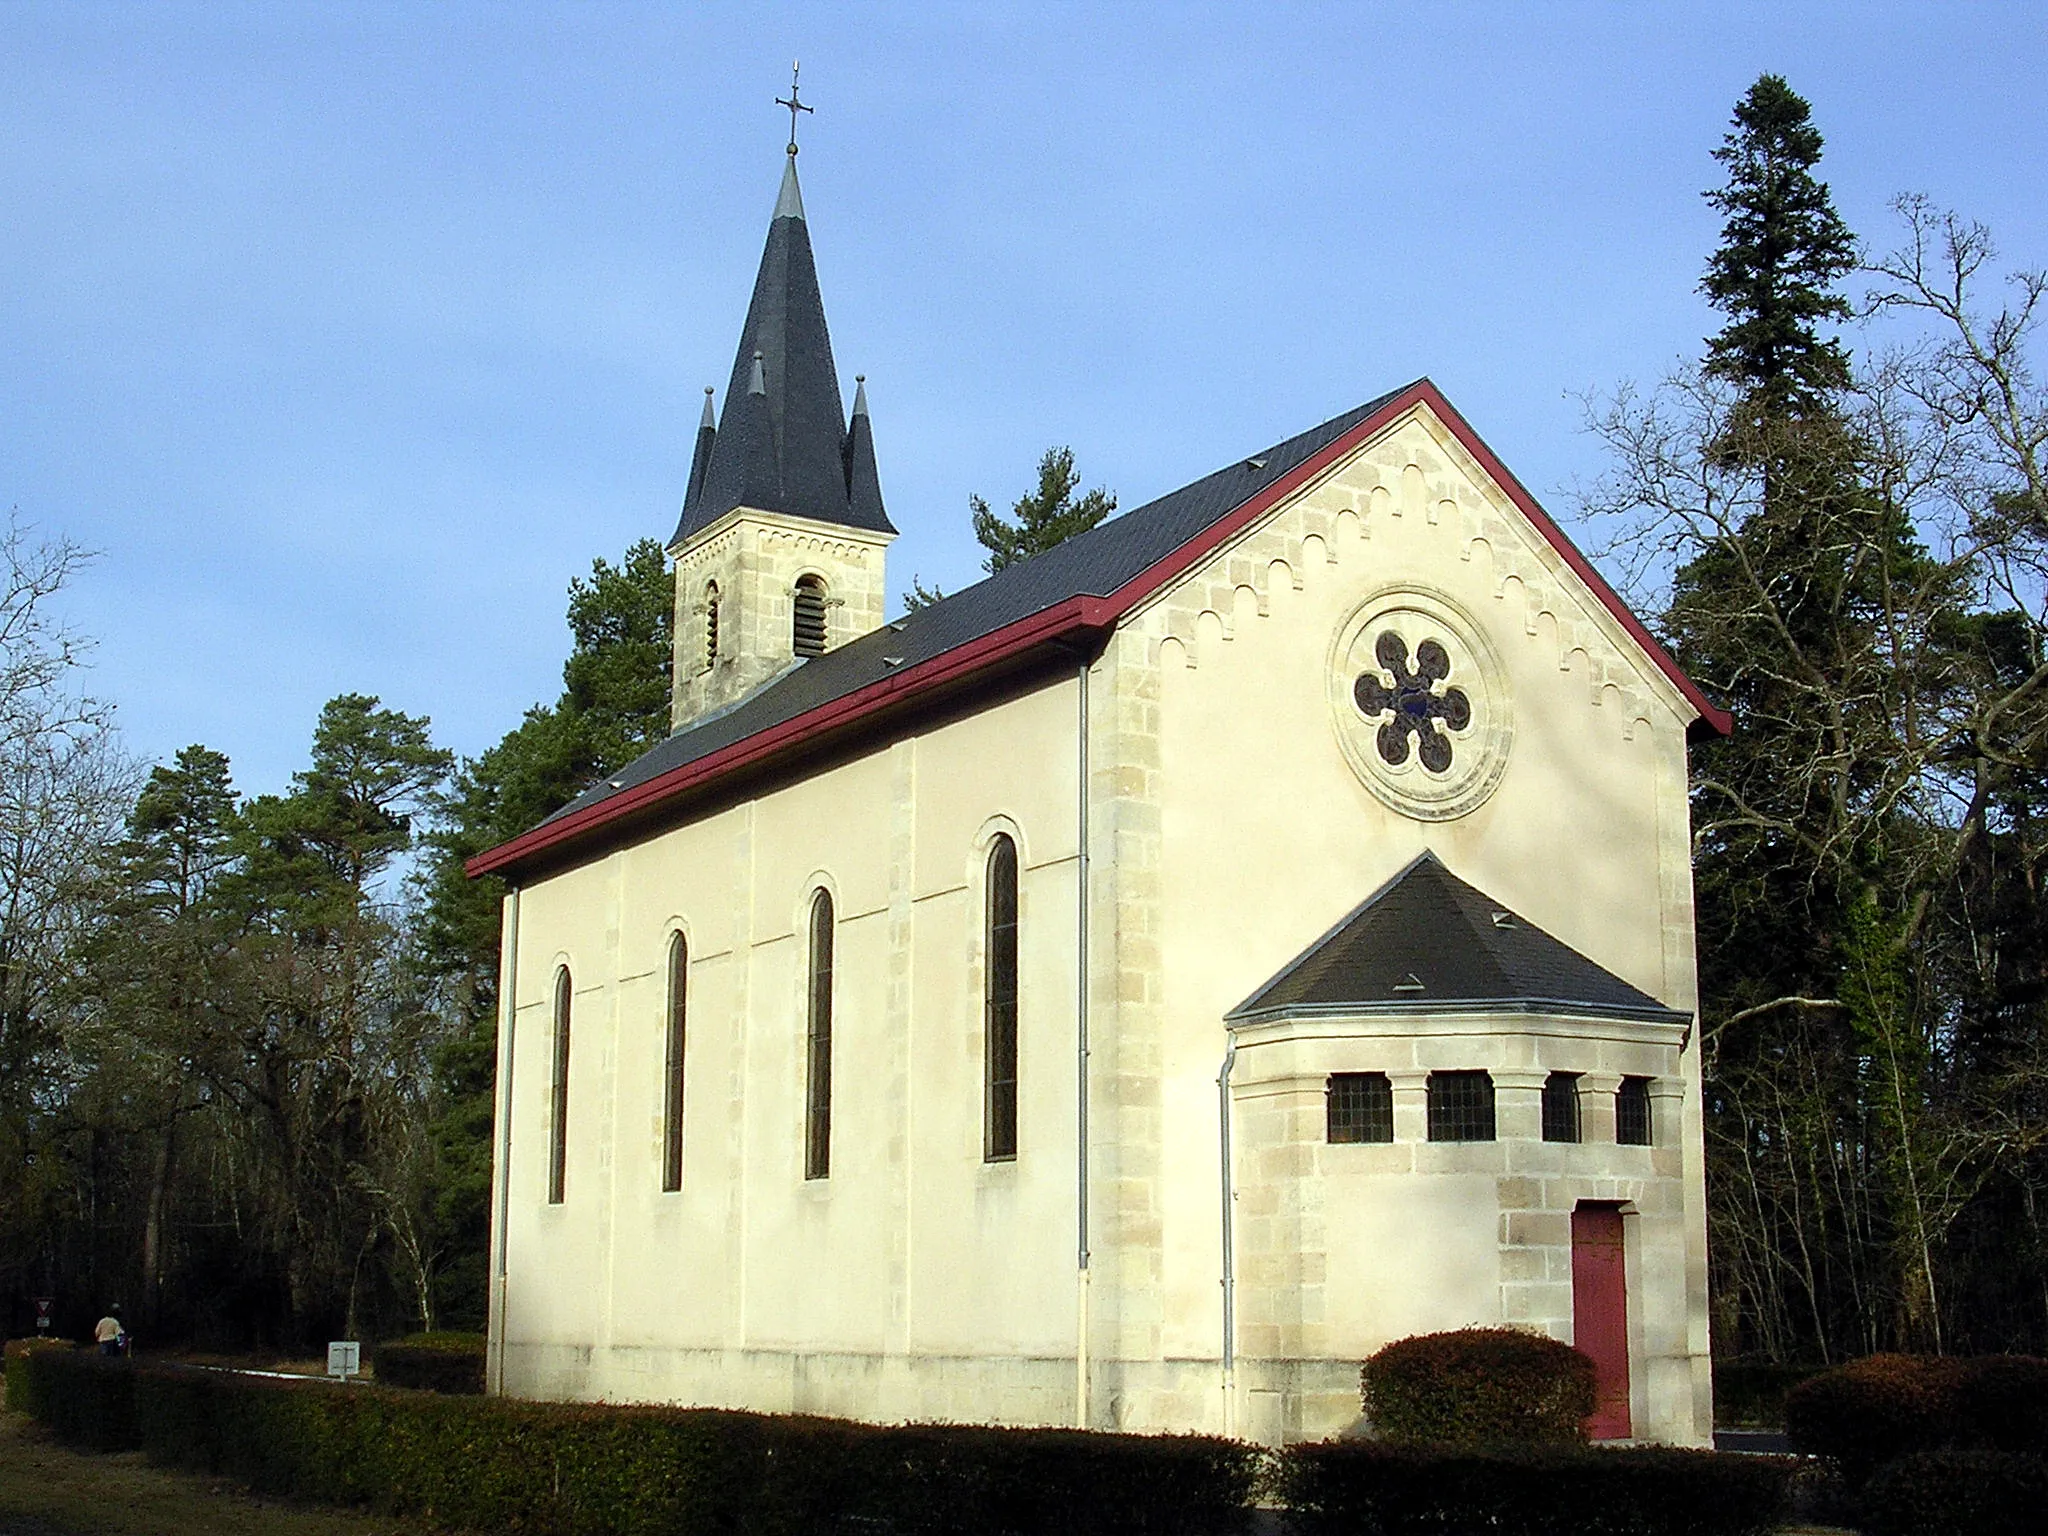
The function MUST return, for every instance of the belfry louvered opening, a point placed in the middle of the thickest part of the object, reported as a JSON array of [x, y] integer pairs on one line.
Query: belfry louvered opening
[[808, 620], [710, 624]]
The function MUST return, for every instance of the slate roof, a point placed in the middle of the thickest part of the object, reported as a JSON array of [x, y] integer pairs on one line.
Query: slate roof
[[783, 443], [1426, 942], [1095, 563]]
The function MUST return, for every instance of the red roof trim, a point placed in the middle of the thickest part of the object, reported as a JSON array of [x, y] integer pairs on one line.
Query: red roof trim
[[1719, 720], [1079, 615]]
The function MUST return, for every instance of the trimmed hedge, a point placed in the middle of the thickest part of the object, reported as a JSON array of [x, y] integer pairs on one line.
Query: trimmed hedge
[[433, 1362], [1876, 1410], [1479, 1387], [17, 1352], [1358, 1488], [86, 1398], [556, 1469], [1957, 1493]]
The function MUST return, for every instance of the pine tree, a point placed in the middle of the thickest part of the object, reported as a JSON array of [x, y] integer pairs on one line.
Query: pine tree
[[1783, 248], [1811, 608], [1039, 520]]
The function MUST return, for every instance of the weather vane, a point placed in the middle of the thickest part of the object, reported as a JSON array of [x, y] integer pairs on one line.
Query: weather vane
[[795, 106]]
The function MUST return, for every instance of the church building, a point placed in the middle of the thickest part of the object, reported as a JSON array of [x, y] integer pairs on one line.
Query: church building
[[1127, 992]]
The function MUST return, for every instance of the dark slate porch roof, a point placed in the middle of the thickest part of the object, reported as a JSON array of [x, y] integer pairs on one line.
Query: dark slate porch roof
[[1426, 942]]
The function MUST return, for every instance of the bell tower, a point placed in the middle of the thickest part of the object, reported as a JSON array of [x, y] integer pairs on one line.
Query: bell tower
[[779, 552]]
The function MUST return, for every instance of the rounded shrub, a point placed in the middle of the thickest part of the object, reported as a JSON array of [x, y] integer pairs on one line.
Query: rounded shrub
[[1479, 1387], [2002, 1404], [1876, 1410], [1873, 1410]]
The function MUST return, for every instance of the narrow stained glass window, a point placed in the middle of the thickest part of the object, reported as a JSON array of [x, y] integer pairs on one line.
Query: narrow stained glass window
[[1632, 1112], [558, 1093], [672, 1075], [999, 1008], [1561, 1107], [1359, 1106], [818, 1036], [1460, 1106]]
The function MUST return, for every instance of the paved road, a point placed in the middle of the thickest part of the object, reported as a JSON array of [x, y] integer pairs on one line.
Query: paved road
[[1762, 1442]]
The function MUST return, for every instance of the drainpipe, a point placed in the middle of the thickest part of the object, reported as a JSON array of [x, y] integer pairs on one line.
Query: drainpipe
[[508, 1010], [1081, 1065], [1229, 1351]]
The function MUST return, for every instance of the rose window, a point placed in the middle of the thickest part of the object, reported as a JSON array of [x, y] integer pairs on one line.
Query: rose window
[[1419, 703], [1416, 705]]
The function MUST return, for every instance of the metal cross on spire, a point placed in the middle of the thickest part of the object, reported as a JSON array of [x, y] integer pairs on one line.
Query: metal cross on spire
[[793, 103]]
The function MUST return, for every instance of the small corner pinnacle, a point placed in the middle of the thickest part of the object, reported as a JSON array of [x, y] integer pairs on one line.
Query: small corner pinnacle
[[757, 384], [710, 419], [860, 394]]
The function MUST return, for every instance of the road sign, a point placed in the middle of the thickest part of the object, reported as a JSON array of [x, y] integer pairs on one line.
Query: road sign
[[43, 1306], [344, 1360]]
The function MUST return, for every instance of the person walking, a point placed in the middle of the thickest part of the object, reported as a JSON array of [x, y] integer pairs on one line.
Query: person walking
[[111, 1337]]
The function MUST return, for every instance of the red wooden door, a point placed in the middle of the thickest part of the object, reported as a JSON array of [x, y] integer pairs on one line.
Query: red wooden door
[[1600, 1314]]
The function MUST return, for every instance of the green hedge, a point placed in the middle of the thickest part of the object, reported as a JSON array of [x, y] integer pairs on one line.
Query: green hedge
[[86, 1398], [1478, 1387], [1873, 1411], [559, 1469], [554, 1469], [1361, 1488], [17, 1352], [433, 1362], [1957, 1493]]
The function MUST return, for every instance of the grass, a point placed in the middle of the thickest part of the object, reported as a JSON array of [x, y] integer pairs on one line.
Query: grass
[[73, 1494]]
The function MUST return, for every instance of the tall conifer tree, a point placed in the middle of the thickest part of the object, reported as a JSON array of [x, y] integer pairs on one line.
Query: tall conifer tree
[[1783, 249]]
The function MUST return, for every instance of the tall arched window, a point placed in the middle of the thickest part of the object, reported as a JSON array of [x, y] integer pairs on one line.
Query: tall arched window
[[710, 625], [818, 1036], [672, 1075], [558, 1092], [808, 616], [999, 1007]]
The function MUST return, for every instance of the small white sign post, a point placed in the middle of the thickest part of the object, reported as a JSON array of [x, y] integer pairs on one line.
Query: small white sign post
[[344, 1360]]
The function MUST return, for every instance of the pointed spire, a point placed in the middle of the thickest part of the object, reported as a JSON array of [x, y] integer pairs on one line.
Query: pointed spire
[[863, 483], [783, 444], [707, 434]]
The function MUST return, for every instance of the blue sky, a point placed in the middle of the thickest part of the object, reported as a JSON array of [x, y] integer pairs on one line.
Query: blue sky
[[348, 334]]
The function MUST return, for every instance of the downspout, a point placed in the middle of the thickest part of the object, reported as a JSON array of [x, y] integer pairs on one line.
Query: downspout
[[508, 1010], [1229, 1350], [1081, 1064]]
